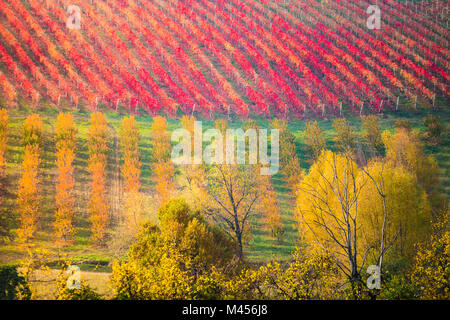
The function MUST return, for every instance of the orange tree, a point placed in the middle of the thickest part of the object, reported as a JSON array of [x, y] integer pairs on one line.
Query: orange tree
[[98, 149], [28, 197], [65, 202]]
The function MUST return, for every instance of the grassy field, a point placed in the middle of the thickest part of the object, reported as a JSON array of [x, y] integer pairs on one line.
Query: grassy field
[[261, 246]]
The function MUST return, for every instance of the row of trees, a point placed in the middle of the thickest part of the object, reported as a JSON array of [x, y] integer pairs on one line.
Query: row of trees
[[29, 194]]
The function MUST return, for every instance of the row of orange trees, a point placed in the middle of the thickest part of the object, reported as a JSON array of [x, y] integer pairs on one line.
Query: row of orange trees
[[29, 193]]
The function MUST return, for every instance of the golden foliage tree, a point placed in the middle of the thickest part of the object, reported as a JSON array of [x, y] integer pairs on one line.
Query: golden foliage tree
[[289, 161], [371, 133], [66, 132], [309, 275], [178, 259], [66, 139], [345, 138], [129, 141], [314, 138], [98, 138], [28, 196], [131, 171], [431, 271], [98, 207], [163, 168], [405, 149], [32, 130], [161, 140], [65, 201], [404, 201], [98, 149], [194, 174], [271, 209]]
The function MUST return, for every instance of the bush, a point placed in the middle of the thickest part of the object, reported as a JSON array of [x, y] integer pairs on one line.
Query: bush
[[63, 292], [434, 127], [12, 285]]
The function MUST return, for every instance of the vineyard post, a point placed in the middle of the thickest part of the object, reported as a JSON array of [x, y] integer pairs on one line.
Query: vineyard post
[[340, 109], [415, 103], [396, 107], [361, 110]]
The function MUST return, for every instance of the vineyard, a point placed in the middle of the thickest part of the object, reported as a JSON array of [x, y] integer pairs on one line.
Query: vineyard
[[262, 57]]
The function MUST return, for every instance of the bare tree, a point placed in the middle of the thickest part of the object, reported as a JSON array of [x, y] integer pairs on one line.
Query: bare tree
[[234, 191], [330, 214]]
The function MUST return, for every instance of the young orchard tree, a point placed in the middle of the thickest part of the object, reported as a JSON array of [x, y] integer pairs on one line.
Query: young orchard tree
[[32, 131], [405, 149], [131, 170], [271, 209], [371, 134], [28, 195], [289, 161], [162, 167], [345, 138], [129, 142], [98, 204], [314, 138], [66, 132]]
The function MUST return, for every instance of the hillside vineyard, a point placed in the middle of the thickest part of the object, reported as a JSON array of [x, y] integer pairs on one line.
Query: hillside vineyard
[[263, 57]]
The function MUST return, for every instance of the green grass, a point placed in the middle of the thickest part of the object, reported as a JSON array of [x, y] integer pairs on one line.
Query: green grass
[[260, 248]]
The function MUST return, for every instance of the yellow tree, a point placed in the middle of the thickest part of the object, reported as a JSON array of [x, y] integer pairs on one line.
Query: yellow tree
[[131, 170], [66, 132], [129, 141], [98, 149], [194, 174], [161, 140], [371, 133], [314, 138], [270, 208], [396, 193], [327, 209], [98, 207], [405, 149], [163, 168], [66, 146], [32, 130], [28, 196], [289, 161], [345, 138], [431, 271]]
